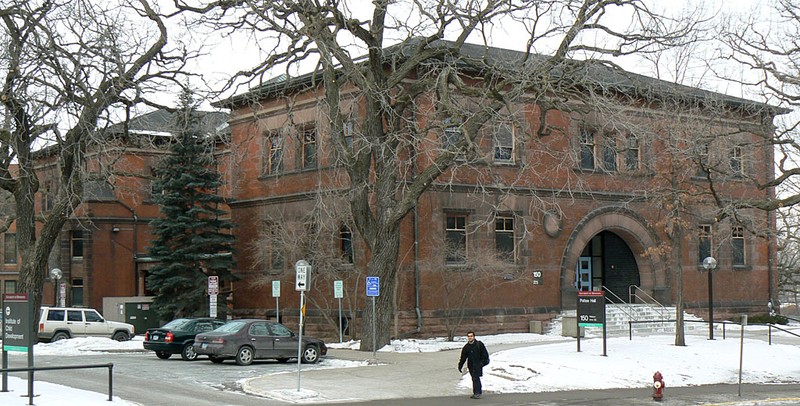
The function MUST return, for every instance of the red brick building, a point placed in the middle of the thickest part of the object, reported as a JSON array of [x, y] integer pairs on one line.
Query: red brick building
[[102, 252], [584, 207]]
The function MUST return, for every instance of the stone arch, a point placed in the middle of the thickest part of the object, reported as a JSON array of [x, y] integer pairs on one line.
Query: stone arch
[[633, 229]]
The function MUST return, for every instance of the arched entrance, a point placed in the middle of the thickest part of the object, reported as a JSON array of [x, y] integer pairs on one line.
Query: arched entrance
[[607, 261], [608, 247]]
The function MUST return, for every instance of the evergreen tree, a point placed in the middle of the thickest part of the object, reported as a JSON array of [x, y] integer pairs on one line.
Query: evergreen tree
[[192, 240]]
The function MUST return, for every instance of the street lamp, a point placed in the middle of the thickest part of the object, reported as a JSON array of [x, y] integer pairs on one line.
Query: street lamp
[[709, 264], [55, 275]]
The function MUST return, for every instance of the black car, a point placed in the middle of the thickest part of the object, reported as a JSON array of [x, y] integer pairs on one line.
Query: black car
[[248, 339], [177, 337]]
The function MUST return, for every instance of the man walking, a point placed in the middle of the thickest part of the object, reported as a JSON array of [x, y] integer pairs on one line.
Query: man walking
[[475, 355]]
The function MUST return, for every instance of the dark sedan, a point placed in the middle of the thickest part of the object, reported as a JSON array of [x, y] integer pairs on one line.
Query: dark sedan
[[177, 337], [248, 339]]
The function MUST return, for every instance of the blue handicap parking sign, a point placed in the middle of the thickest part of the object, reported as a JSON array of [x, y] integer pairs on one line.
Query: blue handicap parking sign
[[373, 286]]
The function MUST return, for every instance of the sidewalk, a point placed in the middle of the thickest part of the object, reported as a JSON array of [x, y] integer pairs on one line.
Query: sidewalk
[[395, 376], [431, 378]]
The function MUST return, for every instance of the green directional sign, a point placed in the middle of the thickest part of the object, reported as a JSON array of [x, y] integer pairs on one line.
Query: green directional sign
[[17, 327], [591, 309]]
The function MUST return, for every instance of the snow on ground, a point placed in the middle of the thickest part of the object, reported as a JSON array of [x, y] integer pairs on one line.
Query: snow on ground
[[549, 364]]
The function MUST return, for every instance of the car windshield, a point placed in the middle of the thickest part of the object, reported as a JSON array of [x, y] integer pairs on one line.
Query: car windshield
[[177, 323], [231, 327]]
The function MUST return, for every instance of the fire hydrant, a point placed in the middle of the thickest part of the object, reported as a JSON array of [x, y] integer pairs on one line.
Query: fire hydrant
[[658, 386]]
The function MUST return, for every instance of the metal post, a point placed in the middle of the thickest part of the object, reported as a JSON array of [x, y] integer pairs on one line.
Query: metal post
[[277, 310], [374, 344], [709, 263], [110, 382], [5, 374], [710, 306], [741, 351], [340, 320], [300, 339]]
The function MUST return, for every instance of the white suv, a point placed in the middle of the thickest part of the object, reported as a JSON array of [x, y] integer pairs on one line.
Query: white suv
[[58, 323]]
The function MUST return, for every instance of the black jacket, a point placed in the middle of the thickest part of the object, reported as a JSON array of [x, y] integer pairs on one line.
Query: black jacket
[[476, 357]]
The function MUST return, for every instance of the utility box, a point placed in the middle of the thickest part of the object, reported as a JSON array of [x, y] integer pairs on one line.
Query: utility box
[[569, 327], [142, 316], [536, 327]]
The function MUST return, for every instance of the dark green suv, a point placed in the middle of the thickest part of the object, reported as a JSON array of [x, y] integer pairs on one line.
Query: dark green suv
[[177, 337]]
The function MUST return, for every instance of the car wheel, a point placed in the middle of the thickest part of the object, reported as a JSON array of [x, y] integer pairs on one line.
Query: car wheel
[[120, 336], [283, 360], [216, 360], [311, 354], [60, 336], [188, 353], [163, 354], [244, 356]]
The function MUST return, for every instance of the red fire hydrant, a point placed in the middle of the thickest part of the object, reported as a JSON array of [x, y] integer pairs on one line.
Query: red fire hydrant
[[658, 386]]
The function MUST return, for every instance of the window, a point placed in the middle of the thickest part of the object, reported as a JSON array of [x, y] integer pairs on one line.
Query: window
[[737, 167], [259, 329], [273, 257], [48, 197], [349, 130], [587, 150], [280, 330], [273, 159], [92, 316], [346, 244], [610, 155], [703, 159], [76, 238], [737, 246], [452, 133], [56, 315], [504, 143], [309, 147], [504, 238], [632, 153], [456, 236], [77, 292], [10, 248], [75, 315], [705, 242], [10, 287]]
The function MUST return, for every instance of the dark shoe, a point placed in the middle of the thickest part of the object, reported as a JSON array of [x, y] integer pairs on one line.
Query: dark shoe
[[476, 396]]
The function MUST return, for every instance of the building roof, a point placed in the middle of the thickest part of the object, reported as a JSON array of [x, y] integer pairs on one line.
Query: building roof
[[163, 123], [594, 74]]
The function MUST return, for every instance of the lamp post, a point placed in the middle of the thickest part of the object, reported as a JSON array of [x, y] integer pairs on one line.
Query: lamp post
[[710, 264], [55, 275]]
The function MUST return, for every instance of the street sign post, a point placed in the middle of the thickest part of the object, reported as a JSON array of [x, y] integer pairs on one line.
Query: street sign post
[[213, 291], [373, 291], [591, 313], [302, 283], [276, 293], [338, 293], [17, 332]]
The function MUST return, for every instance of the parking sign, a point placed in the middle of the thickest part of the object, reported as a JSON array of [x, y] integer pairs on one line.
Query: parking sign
[[373, 286]]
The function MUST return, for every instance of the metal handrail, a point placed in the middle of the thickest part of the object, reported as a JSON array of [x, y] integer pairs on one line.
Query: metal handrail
[[628, 311], [771, 326], [632, 294], [723, 322], [110, 367]]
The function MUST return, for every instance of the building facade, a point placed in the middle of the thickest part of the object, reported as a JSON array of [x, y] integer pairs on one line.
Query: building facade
[[512, 236]]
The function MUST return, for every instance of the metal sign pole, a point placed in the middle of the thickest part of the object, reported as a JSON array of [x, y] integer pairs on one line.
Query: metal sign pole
[[300, 338], [373, 328], [340, 320]]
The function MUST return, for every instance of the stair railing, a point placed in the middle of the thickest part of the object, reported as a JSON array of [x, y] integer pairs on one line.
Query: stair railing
[[633, 292], [626, 307]]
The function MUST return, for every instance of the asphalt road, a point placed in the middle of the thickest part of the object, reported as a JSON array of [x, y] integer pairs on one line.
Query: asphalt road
[[145, 379]]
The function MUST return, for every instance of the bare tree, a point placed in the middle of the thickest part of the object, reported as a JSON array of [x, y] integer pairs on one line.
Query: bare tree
[[67, 65], [349, 43]]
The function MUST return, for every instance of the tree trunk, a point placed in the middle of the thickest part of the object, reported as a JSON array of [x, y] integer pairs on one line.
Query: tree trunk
[[383, 264]]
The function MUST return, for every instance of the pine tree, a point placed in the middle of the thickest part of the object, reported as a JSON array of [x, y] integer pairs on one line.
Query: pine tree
[[192, 240]]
